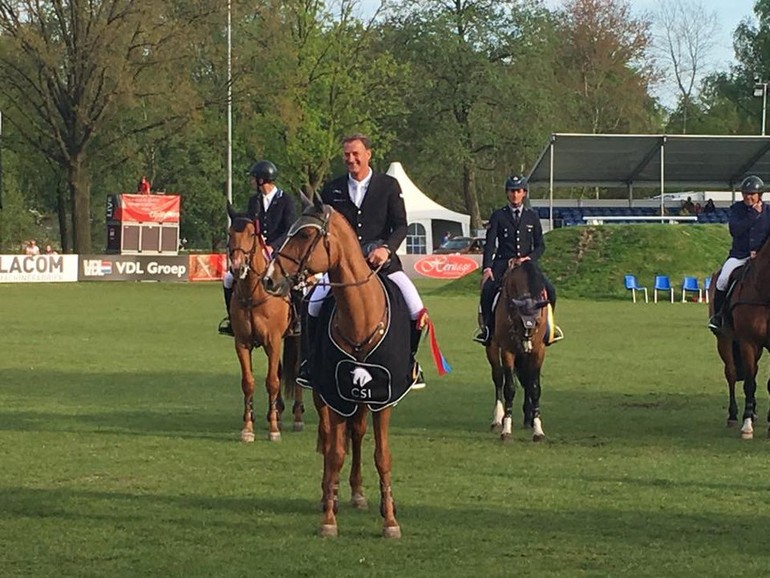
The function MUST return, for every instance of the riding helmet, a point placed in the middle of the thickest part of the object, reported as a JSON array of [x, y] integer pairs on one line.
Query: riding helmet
[[516, 182], [752, 184], [264, 170]]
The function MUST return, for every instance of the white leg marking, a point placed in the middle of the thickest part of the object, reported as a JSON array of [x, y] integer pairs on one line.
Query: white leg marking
[[507, 426], [747, 431], [537, 430]]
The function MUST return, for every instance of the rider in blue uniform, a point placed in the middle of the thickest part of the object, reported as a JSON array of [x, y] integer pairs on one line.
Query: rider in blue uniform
[[749, 226]]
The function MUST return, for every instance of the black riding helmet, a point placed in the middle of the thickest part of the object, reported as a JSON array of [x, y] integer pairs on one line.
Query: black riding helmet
[[264, 170], [752, 184], [516, 182]]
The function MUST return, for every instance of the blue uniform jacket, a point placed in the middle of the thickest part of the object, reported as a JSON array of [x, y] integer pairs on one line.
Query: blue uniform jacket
[[748, 228], [506, 240], [275, 222]]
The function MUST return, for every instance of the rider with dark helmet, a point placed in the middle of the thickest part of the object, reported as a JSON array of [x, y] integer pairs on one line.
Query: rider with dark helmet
[[749, 226], [514, 235], [275, 212]]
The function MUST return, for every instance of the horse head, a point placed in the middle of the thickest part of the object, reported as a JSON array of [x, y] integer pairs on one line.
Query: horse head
[[524, 292], [305, 252], [245, 245]]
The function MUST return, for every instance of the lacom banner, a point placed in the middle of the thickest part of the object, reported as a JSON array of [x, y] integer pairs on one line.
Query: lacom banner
[[132, 268], [38, 268], [144, 208]]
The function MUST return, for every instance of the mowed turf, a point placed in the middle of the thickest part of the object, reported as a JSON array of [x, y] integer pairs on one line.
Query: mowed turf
[[120, 410]]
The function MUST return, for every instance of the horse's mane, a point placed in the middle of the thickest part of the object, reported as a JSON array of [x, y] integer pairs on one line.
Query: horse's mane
[[535, 283]]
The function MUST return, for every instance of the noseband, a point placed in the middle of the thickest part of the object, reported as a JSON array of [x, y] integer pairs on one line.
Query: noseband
[[258, 243]]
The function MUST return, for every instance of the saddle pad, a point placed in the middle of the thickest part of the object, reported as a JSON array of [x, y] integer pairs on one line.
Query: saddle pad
[[379, 380]]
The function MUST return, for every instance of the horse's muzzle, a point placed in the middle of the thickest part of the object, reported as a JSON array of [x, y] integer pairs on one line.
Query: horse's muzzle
[[279, 288]]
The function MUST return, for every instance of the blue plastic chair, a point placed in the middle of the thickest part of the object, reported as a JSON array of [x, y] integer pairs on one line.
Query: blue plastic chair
[[633, 285], [662, 283], [691, 284]]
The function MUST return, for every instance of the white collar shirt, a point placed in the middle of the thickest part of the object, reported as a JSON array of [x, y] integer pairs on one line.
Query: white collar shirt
[[357, 189], [268, 198]]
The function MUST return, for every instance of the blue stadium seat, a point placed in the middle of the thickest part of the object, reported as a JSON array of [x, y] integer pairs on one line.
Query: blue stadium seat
[[690, 284], [662, 284], [633, 285]]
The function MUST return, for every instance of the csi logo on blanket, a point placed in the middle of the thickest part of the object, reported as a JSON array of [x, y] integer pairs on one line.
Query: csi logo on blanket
[[360, 378], [445, 266]]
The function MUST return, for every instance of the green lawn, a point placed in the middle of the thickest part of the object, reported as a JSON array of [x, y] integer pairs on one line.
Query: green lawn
[[119, 455]]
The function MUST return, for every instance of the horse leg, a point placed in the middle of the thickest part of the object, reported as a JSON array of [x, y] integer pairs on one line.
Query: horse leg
[[509, 391], [725, 349], [749, 357], [273, 387], [382, 459], [247, 386], [357, 430], [531, 382], [526, 408], [289, 379], [333, 460], [493, 356]]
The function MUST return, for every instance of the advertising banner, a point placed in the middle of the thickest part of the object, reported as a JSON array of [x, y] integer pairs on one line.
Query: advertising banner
[[440, 266], [144, 208], [207, 267], [38, 268], [132, 268]]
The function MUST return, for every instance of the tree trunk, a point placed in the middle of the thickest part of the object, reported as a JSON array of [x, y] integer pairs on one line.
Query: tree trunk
[[80, 190], [470, 197], [61, 213]]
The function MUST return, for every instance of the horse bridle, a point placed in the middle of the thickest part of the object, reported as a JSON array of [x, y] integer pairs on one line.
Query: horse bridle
[[258, 243], [320, 224]]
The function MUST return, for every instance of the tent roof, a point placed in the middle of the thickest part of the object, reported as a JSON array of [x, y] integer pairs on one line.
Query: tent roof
[[612, 160], [418, 204]]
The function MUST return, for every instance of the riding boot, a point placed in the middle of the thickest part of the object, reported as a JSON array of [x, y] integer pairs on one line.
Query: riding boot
[[225, 327], [485, 312], [295, 328], [556, 333], [415, 334], [307, 346], [716, 321]]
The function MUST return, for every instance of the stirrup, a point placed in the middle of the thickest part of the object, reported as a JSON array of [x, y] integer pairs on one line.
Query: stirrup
[[482, 336], [225, 328], [558, 335], [418, 379], [715, 323], [303, 376]]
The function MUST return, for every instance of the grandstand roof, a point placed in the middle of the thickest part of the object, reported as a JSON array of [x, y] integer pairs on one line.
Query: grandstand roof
[[651, 161]]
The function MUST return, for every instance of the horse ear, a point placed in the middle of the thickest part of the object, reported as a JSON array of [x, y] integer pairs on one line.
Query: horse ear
[[541, 303], [231, 211], [519, 302], [317, 201], [305, 201]]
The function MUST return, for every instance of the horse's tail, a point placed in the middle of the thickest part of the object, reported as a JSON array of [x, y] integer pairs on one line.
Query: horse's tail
[[291, 360]]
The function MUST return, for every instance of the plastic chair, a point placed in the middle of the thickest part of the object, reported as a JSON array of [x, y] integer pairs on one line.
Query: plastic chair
[[633, 285], [662, 283], [691, 284]]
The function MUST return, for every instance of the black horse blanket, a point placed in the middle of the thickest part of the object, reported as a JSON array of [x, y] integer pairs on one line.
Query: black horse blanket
[[380, 379]]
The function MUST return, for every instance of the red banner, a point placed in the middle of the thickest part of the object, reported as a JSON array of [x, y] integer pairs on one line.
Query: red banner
[[445, 266], [209, 267], [148, 208]]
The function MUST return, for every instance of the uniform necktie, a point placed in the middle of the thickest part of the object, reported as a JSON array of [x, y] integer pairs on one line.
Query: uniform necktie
[[516, 216]]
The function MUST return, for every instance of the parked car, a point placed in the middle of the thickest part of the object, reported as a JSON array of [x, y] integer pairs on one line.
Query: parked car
[[464, 245]]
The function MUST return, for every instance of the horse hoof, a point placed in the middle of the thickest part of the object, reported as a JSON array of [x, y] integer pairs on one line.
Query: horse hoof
[[274, 436], [732, 423], [299, 426], [391, 532], [496, 427], [538, 437], [747, 435], [328, 531], [358, 501], [247, 436], [506, 437]]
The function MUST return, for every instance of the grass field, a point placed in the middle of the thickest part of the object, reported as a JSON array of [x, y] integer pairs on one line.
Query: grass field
[[120, 412]]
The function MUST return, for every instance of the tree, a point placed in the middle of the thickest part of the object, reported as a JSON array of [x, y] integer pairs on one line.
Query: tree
[[75, 71], [685, 39]]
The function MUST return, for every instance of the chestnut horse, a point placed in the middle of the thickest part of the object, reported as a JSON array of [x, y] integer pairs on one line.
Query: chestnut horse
[[260, 320], [746, 333], [323, 241], [517, 347]]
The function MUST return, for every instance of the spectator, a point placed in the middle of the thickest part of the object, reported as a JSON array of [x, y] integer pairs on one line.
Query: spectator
[[49, 250], [143, 187], [688, 208], [709, 207], [698, 209], [32, 248], [446, 237]]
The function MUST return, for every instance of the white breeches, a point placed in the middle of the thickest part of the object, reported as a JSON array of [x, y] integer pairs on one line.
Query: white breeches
[[724, 276], [404, 283], [228, 280]]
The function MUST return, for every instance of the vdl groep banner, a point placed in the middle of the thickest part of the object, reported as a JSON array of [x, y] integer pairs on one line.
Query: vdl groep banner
[[38, 268], [132, 268]]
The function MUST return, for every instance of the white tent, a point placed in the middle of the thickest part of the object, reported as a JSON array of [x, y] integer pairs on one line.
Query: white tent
[[428, 221]]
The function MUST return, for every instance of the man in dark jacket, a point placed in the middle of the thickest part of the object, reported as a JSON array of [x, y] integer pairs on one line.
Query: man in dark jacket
[[514, 234], [749, 227], [373, 205], [275, 212]]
